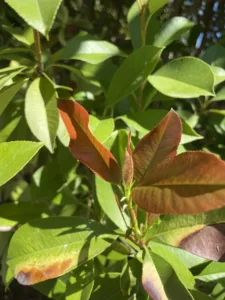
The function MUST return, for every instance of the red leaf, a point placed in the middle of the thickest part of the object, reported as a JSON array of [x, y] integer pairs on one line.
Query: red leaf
[[192, 182], [84, 146], [128, 167], [158, 145]]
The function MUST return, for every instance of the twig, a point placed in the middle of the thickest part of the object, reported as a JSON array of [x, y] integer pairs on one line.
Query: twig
[[37, 43]]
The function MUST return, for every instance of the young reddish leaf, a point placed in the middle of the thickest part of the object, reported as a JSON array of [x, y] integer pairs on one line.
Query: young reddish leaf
[[208, 242], [159, 144], [128, 166], [192, 182], [84, 146]]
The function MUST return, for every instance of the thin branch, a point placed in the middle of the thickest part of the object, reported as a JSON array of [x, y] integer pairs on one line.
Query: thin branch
[[38, 53]]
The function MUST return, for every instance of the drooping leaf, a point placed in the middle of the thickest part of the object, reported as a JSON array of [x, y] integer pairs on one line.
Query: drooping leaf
[[41, 111], [133, 72], [157, 145], [37, 13], [172, 29], [192, 182], [14, 156], [179, 79], [108, 203], [24, 36], [87, 49], [12, 214], [179, 267], [7, 94], [84, 146], [145, 121], [7, 74], [159, 279], [67, 242], [155, 5]]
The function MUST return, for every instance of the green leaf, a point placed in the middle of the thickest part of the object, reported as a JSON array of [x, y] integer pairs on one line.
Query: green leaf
[[215, 55], [201, 296], [37, 13], [6, 131], [41, 111], [67, 242], [179, 267], [220, 96], [24, 36], [214, 271], [53, 288], [145, 121], [179, 79], [219, 74], [172, 30], [108, 203], [7, 94], [101, 129], [155, 5], [218, 292], [81, 282], [7, 74], [12, 214], [107, 286], [133, 72], [87, 49], [14, 156], [159, 279], [62, 133]]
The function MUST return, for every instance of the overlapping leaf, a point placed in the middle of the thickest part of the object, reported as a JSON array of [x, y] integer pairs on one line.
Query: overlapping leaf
[[192, 182], [157, 145], [84, 146]]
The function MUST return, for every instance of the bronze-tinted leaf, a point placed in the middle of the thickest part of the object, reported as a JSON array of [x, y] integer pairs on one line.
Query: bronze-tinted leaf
[[192, 182], [84, 146], [128, 166], [208, 242], [159, 144]]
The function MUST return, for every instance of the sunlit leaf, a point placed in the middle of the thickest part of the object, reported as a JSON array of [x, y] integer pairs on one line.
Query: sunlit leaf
[[156, 146], [14, 156], [192, 182], [179, 78], [84, 146], [67, 242]]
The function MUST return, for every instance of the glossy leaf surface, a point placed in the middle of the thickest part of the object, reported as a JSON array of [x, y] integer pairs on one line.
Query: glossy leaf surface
[[14, 156], [192, 182], [37, 13], [41, 111], [179, 79], [84, 146], [67, 242], [156, 146], [133, 72]]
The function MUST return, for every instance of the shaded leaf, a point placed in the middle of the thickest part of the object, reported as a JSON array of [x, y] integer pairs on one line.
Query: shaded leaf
[[24, 36], [155, 5], [179, 79], [192, 182], [36, 13], [132, 73], [84, 146], [172, 29], [41, 111], [7, 94], [7, 74], [157, 145], [8, 129], [67, 242], [14, 156]]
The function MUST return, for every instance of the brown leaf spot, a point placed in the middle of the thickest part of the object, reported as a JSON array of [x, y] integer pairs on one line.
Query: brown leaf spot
[[32, 275], [208, 242]]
